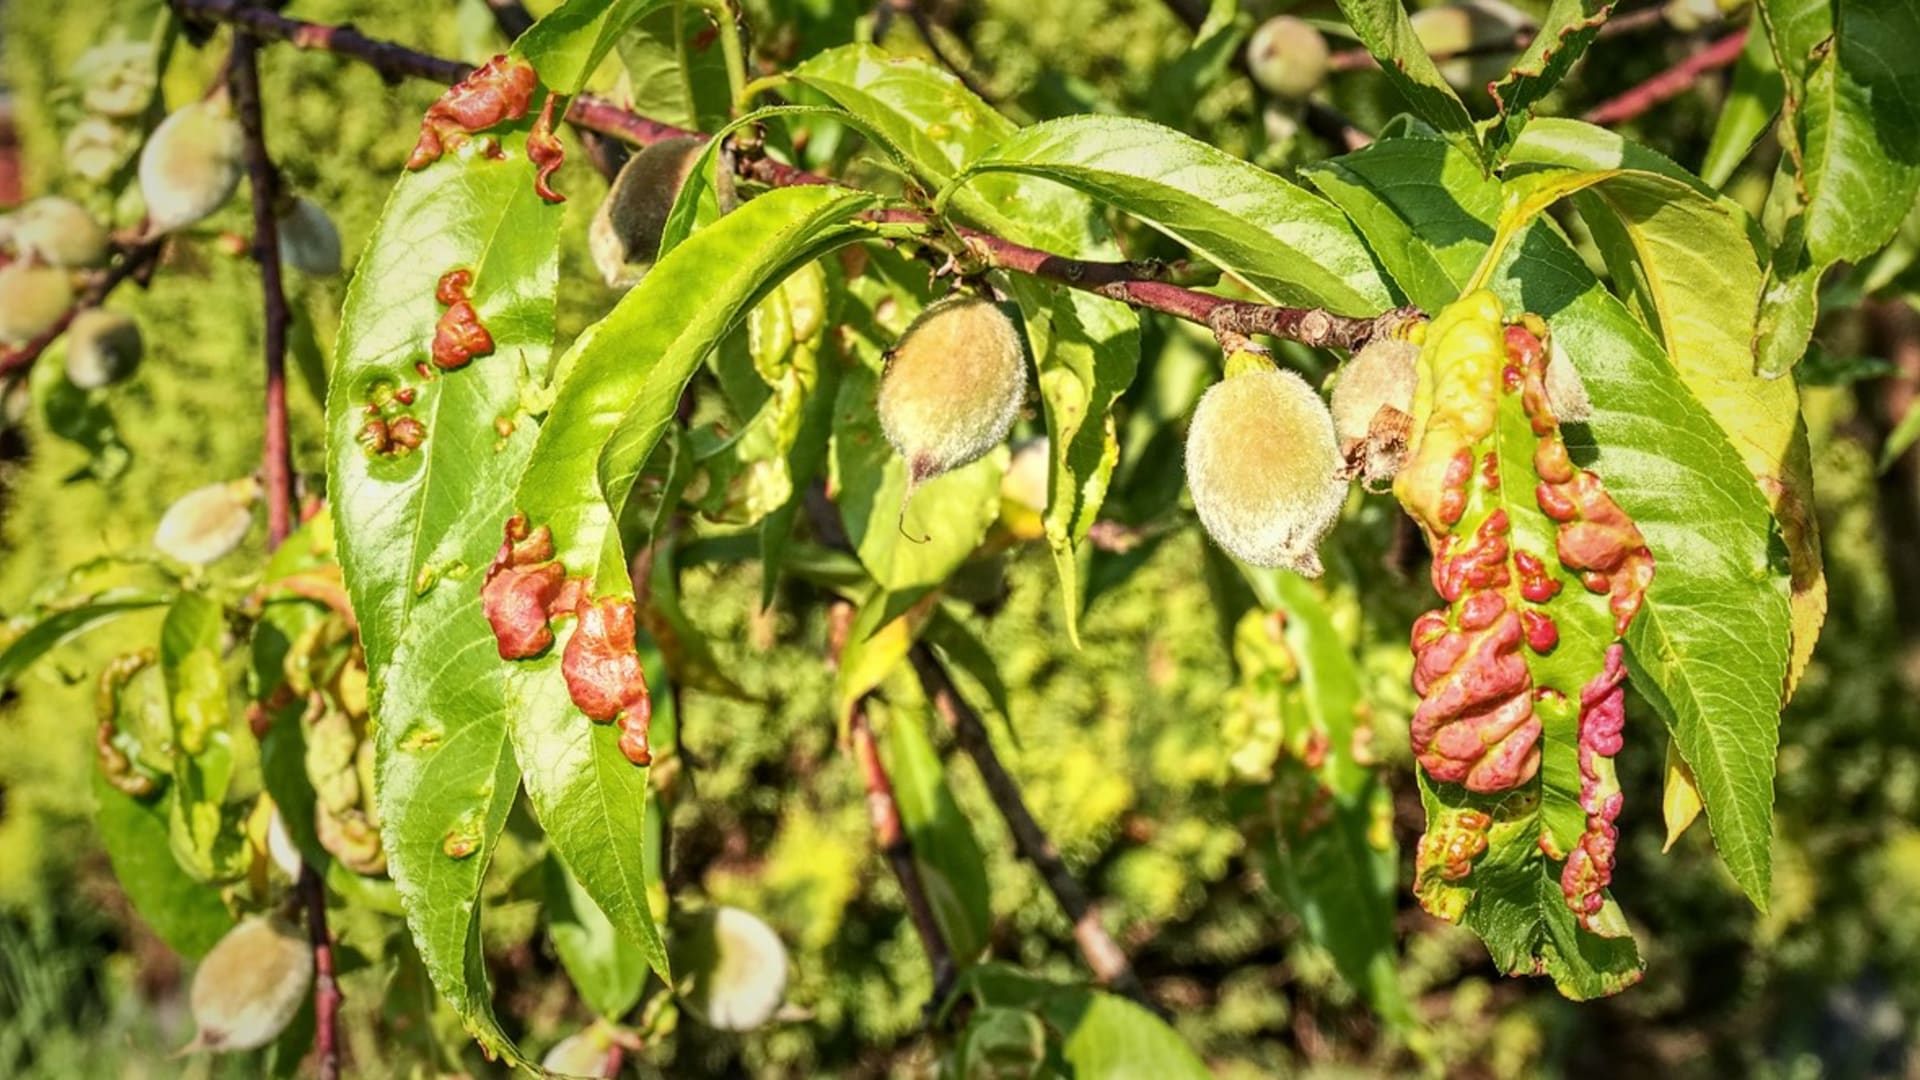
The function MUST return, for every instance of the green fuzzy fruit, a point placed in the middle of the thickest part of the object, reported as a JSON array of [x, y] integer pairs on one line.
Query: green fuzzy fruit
[[250, 986], [1287, 57], [309, 242], [1264, 469], [207, 523], [32, 299], [103, 347], [1373, 406], [953, 385], [191, 165], [625, 236], [735, 967], [59, 232]]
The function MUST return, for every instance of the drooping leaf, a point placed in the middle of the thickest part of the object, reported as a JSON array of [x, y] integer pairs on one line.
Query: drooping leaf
[[1753, 100], [952, 867], [1684, 264], [1383, 27], [1710, 647], [607, 969], [1110, 1037], [186, 914], [414, 530], [571, 40], [1337, 871], [38, 632], [618, 387], [1852, 132], [1288, 245], [1565, 31], [675, 72], [1089, 349], [939, 127]]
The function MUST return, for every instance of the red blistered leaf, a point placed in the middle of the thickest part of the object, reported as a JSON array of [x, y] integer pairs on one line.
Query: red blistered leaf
[[458, 337], [1475, 723], [1603, 716], [545, 151], [519, 592], [603, 673], [495, 93]]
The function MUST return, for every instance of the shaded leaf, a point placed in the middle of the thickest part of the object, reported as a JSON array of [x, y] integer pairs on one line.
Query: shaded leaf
[[186, 914], [952, 867]]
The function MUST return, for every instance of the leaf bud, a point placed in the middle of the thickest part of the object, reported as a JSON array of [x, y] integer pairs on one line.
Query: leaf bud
[[309, 242], [1373, 407], [626, 230], [207, 523], [1264, 468], [736, 967], [32, 299], [953, 385], [103, 347], [250, 985], [191, 165], [59, 232], [1287, 57]]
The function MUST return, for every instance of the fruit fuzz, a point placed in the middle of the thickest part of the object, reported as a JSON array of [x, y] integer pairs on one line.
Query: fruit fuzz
[[953, 385], [250, 986], [191, 165], [32, 299], [626, 231], [103, 347], [1373, 408], [1287, 57], [1263, 466]]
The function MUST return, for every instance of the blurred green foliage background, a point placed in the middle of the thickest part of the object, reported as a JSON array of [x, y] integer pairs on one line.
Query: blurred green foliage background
[[1120, 744]]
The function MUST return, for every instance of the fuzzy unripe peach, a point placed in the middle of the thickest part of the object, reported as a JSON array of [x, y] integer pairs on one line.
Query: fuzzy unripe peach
[[1287, 57], [103, 347], [250, 985], [626, 230], [207, 523], [190, 165], [1373, 406], [1264, 469], [309, 242], [32, 299], [736, 969], [953, 385], [59, 232]]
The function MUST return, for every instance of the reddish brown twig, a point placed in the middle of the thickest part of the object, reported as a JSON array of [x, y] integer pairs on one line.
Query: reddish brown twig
[[1104, 956], [277, 469], [1670, 82], [277, 463], [1114, 280], [891, 838]]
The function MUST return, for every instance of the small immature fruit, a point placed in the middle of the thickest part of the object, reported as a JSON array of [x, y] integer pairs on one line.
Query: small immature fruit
[[32, 299], [206, 523], [1265, 470], [191, 164], [250, 986], [103, 347], [737, 968], [309, 242], [1373, 407], [625, 236], [1287, 57], [59, 232], [583, 1053], [953, 385]]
